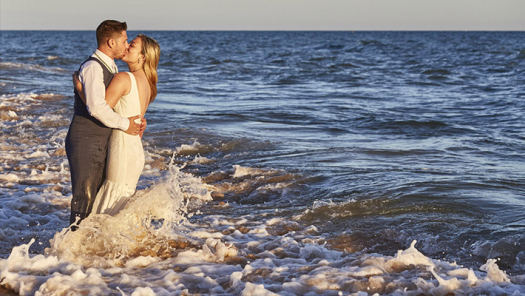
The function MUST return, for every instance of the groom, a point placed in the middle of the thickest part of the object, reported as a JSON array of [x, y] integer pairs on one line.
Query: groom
[[88, 135]]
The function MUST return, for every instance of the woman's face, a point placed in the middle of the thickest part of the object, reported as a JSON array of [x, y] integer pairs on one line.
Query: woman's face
[[134, 53]]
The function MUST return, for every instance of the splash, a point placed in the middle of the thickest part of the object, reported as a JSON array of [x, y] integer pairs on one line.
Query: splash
[[146, 226]]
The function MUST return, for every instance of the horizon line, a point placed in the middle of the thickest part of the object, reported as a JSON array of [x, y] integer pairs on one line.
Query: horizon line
[[287, 30]]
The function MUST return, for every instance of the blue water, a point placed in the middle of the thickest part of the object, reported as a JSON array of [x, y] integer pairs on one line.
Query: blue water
[[379, 137]]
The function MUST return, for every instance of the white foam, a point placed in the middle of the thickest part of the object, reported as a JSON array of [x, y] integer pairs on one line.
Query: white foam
[[33, 67], [38, 154], [10, 178], [256, 290], [132, 253], [240, 171], [410, 256], [141, 262], [12, 114], [188, 149], [312, 270], [202, 160], [494, 273], [113, 237]]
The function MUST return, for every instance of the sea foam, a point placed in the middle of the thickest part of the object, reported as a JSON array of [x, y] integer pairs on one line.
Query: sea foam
[[161, 243]]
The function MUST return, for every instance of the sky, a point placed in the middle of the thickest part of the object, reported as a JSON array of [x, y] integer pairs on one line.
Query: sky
[[351, 15]]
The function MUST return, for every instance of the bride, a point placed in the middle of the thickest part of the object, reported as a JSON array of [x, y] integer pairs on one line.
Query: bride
[[129, 93]]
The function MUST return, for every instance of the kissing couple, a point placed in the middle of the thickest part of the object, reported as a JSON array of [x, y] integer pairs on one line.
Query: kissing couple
[[103, 144]]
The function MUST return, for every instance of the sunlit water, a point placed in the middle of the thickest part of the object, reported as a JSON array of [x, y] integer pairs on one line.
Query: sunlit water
[[292, 163]]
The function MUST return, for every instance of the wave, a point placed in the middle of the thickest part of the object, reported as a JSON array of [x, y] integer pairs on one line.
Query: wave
[[237, 258], [437, 72], [421, 161], [31, 67], [360, 228], [371, 42]]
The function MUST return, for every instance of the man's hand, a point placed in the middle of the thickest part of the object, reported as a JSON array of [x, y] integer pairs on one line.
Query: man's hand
[[143, 127], [134, 127]]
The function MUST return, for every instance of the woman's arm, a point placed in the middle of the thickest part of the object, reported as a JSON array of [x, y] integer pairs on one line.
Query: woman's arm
[[120, 85]]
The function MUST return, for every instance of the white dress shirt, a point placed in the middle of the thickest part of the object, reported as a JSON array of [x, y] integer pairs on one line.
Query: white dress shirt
[[92, 78]]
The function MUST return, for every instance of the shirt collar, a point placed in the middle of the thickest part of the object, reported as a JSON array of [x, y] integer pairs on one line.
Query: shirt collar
[[109, 61]]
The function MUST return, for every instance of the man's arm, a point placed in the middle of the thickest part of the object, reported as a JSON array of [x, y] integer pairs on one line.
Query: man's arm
[[92, 78], [143, 124]]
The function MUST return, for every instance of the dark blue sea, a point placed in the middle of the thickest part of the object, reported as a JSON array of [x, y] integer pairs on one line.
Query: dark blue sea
[[294, 163]]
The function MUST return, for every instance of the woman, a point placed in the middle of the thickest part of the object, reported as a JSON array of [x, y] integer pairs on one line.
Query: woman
[[129, 93]]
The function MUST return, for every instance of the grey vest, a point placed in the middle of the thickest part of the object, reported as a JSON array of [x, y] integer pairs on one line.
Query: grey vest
[[80, 107]]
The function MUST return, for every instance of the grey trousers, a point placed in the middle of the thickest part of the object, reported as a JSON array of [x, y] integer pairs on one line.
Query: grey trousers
[[86, 149]]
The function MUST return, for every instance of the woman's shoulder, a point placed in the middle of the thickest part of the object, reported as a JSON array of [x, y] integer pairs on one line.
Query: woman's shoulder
[[121, 83], [121, 78], [122, 75]]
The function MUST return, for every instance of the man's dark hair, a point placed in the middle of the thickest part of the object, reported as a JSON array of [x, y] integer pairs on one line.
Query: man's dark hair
[[108, 29]]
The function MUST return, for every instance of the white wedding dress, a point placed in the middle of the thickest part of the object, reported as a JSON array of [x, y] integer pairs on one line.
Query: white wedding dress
[[125, 160]]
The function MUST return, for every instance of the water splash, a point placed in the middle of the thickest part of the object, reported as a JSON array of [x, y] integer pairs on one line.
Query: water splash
[[146, 226]]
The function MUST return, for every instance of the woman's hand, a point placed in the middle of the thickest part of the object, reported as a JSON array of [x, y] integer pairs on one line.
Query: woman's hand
[[78, 86]]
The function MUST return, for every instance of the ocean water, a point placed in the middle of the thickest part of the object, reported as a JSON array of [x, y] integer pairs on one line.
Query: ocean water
[[288, 163]]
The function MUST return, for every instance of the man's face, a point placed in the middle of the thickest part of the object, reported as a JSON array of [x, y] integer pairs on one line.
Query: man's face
[[121, 45]]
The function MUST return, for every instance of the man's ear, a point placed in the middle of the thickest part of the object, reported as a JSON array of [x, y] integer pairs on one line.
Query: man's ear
[[111, 43]]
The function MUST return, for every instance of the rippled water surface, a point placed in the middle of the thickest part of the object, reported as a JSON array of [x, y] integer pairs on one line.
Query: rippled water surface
[[376, 139]]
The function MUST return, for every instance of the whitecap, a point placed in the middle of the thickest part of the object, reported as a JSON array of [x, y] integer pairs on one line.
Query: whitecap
[[31, 67]]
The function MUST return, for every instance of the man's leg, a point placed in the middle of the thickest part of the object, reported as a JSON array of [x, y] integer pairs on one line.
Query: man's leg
[[86, 153]]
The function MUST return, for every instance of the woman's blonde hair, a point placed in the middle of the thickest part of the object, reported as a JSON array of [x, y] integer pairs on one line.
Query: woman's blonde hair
[[151, 52]]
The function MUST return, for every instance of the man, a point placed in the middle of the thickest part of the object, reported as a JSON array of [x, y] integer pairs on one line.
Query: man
[[88, 135]]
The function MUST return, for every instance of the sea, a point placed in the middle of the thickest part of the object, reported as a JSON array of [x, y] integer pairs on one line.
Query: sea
[[278, 163]]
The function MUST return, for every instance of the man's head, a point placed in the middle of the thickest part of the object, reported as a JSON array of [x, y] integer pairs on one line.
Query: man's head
[[112, 38]]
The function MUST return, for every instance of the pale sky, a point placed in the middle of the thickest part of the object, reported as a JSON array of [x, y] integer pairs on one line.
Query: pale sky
[[265, 14]]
